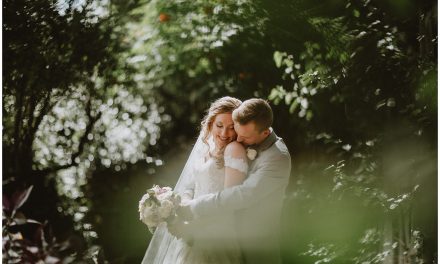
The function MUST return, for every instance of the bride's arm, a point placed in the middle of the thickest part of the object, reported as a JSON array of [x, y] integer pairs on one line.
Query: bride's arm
[[236, 165]]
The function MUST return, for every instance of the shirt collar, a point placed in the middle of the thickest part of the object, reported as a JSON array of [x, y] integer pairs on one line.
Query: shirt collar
[[267, 142]]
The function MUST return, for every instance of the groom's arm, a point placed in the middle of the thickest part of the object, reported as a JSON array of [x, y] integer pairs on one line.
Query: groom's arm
[[271, 176]]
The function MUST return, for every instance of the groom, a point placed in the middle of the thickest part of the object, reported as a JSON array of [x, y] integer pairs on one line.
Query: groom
[[257, 202]]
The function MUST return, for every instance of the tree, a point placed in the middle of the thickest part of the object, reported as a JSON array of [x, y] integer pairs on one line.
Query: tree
[[363, 91], [69, 101]]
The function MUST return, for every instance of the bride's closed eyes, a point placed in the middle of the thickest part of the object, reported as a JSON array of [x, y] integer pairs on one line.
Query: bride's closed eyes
[[220, 125]]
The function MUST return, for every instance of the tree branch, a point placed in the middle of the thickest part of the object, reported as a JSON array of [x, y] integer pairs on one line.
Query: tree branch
[[46, 107], [17, 138], [89, 128], [84, 139], [32, 105]]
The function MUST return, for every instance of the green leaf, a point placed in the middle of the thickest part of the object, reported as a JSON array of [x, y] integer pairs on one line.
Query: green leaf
[[278, 58], [356, 13], [273, 94], [309, 115], [288, 98], [277, 94], [293, 106]]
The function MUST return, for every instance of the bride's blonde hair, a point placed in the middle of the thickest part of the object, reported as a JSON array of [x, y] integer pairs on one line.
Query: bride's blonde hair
[[222, 105]]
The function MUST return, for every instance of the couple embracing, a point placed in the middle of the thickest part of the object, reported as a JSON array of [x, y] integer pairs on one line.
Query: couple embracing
[[232, 190]]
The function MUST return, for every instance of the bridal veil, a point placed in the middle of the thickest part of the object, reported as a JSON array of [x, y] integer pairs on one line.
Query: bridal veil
[[160, 242]]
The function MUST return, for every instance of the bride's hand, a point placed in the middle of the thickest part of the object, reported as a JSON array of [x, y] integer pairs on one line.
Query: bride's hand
[[185, 202], [185, 199]]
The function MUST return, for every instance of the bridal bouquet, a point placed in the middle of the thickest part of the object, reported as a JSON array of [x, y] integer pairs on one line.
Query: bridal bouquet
[[158, 205]]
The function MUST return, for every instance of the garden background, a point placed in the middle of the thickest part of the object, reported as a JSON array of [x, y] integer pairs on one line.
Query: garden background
[[102, 99]]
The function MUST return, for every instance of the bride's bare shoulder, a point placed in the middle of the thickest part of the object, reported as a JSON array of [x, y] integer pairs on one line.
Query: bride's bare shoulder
[[235, 149]]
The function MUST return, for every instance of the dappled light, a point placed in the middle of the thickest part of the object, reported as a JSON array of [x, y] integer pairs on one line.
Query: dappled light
[[103, 99]]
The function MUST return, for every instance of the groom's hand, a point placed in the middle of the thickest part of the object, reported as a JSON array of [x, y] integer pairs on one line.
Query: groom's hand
[[181, 230], [184, 212], [176, 228]]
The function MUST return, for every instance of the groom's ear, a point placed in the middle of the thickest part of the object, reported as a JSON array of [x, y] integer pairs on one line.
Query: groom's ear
[[266, 132]]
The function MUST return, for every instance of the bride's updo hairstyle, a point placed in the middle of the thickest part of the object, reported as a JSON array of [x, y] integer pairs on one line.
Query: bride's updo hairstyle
[[222, 105]]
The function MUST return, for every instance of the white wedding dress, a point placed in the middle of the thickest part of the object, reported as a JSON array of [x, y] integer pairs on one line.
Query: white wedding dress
[[213, 240]]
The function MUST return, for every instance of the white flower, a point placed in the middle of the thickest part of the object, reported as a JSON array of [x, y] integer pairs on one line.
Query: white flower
[[149, 215], [144, 198], [251, 153], [157, 206], [156, 189], [144, 202], [164, 194]]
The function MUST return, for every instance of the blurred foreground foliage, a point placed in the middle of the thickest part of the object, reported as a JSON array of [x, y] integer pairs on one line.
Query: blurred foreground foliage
[[114, 85], [42, 246]]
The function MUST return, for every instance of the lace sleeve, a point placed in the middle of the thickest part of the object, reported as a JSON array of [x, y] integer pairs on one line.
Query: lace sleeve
[[236, 163]]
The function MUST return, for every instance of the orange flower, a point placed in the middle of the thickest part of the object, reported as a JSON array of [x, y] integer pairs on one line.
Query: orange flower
[[164, 17]]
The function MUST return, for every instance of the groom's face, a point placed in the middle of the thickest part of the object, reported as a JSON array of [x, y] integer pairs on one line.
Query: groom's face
[[248, 134]]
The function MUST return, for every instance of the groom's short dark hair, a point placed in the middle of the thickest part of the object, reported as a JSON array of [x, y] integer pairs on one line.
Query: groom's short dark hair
[[254, 110]]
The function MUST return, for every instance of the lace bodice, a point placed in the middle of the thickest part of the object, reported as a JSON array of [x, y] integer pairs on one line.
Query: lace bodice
[[209, 178]]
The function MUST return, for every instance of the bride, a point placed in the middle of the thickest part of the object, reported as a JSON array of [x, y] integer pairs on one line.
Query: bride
[[216, 162]]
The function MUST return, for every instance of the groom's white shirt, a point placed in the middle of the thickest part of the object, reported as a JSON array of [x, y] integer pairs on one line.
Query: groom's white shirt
[[257, 202]]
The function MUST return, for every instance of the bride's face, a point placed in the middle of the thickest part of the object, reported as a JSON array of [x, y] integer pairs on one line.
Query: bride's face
[[223, 130]]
